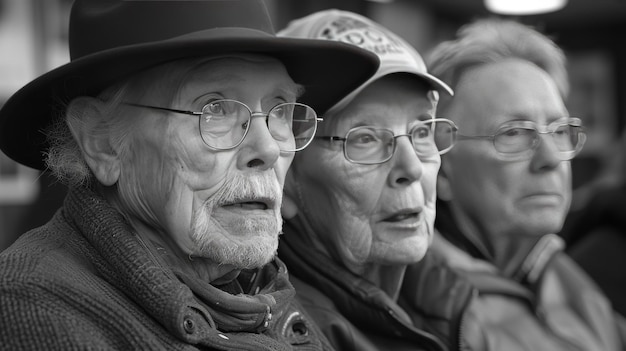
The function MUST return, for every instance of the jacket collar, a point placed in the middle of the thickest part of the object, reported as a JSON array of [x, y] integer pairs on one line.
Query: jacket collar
[[360, 301], [514, 257]]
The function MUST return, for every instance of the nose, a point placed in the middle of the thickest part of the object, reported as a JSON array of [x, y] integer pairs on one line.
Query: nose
[[258, 149], [546, 156], [407, 166]]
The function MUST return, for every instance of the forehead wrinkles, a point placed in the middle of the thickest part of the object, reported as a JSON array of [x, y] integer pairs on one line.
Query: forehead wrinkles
[[230, 72]]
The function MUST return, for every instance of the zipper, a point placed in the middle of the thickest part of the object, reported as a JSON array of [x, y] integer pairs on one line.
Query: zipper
[[460, 329]]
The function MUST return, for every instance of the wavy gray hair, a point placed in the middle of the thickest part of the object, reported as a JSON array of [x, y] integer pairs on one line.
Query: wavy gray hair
[[491, 40]]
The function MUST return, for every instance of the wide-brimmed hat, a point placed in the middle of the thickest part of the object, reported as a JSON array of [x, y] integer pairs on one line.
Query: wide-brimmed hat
[[112, 39], [396, 55]]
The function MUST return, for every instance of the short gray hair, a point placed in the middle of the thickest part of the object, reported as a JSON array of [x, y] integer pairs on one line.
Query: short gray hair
[[491, 40], [64, 157]]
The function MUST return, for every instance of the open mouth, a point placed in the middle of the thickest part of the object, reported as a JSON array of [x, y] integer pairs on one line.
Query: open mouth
[[251, 205], [399, 217]]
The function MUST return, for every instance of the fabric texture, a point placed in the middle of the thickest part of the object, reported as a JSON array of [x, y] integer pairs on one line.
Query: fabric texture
[[84, 281], [353, 313], [537, 299]]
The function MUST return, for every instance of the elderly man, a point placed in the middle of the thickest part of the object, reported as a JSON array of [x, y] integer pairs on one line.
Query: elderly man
[[177, 121], [504, 190], [361, 198]]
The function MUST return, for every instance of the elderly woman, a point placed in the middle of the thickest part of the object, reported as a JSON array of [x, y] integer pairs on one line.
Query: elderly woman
[[361, 197], [175, 140], [505, 190]]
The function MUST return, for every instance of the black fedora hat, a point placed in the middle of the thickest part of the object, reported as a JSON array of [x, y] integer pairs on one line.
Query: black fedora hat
[[111, 39]]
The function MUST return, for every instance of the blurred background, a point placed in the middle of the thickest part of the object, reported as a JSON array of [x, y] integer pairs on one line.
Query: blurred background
[[33, 40]]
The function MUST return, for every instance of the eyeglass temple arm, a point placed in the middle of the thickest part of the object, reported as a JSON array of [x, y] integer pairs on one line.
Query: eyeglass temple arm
[[193, 113], [331, 138], [462, 136]]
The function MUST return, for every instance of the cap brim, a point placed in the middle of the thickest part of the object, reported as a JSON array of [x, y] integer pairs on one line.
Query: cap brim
[[433, 81], [328, 71]]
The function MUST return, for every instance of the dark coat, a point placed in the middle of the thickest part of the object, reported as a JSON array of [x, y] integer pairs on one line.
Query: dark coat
[[353, 313], [84, 281], [596, 237]]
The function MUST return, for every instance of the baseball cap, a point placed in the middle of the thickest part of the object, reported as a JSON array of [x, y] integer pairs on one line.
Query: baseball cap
[[395, 54]]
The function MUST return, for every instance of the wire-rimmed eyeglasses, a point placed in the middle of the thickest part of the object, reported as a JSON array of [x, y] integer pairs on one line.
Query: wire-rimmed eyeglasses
[[519, 139], [224, 123], [370, 145]]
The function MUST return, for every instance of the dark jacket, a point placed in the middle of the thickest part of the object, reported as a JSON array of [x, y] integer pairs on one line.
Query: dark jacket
[[84, 281], [353, 313], [599, 230]]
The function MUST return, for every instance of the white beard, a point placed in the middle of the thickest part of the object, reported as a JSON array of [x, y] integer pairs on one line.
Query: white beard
[[243, 242]]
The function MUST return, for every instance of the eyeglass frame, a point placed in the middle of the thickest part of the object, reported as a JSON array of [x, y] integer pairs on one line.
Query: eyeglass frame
[[549, 129], [252, 114], [395, 136]]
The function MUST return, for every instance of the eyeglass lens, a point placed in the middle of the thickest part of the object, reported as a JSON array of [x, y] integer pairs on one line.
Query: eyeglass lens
[[372, 145], [566, 137], [224, 124]]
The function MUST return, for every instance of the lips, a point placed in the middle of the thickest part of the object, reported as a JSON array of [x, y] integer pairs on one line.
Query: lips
[[402, 216], [543, 199], [250, 204]]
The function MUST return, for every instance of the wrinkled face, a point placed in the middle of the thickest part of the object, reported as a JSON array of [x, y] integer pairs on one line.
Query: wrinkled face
[[371, 214], [500, 196], [222, 205]]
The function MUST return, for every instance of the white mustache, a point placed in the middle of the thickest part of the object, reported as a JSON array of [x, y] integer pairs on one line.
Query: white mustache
[[261, 187]]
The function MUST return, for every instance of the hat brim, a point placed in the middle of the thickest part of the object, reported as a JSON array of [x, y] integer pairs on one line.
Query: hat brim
[[434, 82], [328, 71]]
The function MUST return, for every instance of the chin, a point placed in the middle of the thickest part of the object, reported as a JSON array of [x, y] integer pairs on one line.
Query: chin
[[255, 252], [402, 253], [245, 244], [545, 223]]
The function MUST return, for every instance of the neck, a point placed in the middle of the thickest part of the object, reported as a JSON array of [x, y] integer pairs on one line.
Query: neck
[[477, 236], [387, 277]]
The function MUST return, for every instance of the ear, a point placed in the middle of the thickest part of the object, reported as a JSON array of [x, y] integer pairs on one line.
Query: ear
[[94, 140], [289, 209], [444, 191]]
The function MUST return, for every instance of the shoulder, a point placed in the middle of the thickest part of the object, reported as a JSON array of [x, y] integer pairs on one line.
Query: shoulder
[[341, 333], [318, 305], [51, 253], [45, 282]]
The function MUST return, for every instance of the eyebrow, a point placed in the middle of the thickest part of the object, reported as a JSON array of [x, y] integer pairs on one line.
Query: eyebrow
[[425, 116], [299, 89], [549, 119]]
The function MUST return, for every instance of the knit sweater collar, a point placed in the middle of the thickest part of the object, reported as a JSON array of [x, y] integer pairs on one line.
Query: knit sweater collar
[[169, 296]]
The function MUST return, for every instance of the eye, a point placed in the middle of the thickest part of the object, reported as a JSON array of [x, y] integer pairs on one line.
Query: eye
[[283, 112], [365, 137], [563, 130], [216, 108], [513, 132], [279, 112], [421, 132]]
